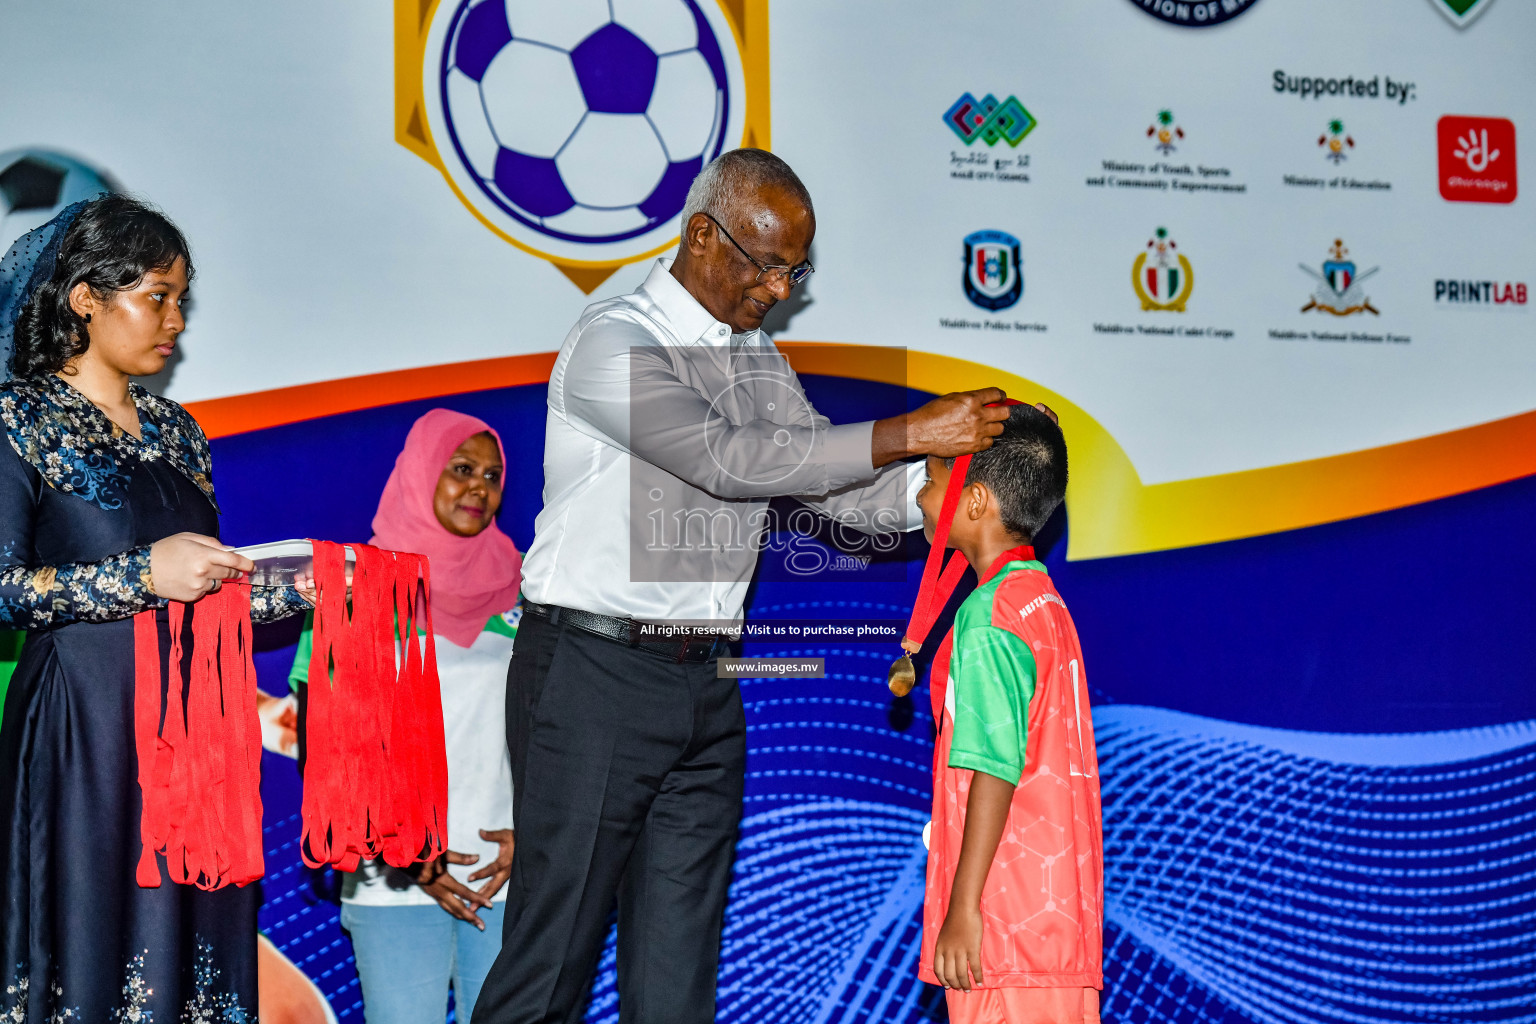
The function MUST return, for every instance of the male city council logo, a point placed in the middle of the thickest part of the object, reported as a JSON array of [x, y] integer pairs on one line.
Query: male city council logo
[[1162, 276], [1197, 13], [989, 119], [1340, 286], [994, 272], [574, 129]]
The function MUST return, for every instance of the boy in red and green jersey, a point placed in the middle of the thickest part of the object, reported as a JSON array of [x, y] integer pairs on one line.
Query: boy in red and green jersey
[[1013, 912]]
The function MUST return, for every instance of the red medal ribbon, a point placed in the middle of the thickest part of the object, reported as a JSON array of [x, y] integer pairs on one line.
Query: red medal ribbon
[[377, 778]]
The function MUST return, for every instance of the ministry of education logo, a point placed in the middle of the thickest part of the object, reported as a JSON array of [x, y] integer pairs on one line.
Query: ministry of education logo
[[1162, 276], [1340, 286], [1186, 14], [994, 271], [1334, 142], [573, 130], [989, 120], [1164, 131], [1461, 12]]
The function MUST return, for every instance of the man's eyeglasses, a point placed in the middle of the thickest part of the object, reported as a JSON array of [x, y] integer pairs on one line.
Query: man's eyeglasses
[[794, 275]]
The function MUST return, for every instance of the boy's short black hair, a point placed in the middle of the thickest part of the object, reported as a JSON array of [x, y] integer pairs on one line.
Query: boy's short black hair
[[1025, 469]]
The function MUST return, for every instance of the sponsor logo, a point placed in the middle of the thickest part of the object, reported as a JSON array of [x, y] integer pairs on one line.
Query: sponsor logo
[[573, 132], [1477, 159], [1164, 131], [1340, 286], [1195, 15], [1334, 142], [1461, 12], [994, 270], [989, 120], [1464, 293], [1162, 276]]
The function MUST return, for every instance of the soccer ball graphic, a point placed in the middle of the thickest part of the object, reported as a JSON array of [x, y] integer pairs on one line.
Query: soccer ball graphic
[[35, 184], [583, 122]]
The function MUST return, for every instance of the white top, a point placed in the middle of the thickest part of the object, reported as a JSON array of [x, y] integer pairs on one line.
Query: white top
[[474, 689], [666, 436]]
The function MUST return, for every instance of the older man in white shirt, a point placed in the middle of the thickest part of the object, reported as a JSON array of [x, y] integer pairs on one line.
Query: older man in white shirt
[[672, 421]]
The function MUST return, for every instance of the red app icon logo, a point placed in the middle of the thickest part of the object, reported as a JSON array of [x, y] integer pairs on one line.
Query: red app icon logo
[[1477, 159]]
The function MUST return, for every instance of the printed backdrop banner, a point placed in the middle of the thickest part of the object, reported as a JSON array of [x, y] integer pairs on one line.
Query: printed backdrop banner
[[1268, 258]]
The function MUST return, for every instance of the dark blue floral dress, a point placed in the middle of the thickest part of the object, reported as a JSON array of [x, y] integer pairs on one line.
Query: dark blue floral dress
[[80, 503]]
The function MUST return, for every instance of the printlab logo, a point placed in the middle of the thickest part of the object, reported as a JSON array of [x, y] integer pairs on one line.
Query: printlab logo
[[989, 120], [1477, 159], [1196, 15], [1162, 276], [1466, 294], [1164, 130], [1334, 142], [994, 270], [1340, 288], [576, 135], [1461, 12]]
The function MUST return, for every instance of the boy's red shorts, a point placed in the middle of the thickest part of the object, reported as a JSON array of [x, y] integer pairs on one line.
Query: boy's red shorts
[[1023, 1006]]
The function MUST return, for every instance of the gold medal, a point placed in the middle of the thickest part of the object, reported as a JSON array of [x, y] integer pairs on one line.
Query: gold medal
[[903, 676]]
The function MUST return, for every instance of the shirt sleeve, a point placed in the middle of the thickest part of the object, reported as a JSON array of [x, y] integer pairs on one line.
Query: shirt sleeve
[[268, 604], [758, 438], [43, 596], [298, 674], [992, 673]]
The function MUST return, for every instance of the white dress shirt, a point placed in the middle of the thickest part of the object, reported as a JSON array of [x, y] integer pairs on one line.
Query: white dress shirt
[[666, 436]]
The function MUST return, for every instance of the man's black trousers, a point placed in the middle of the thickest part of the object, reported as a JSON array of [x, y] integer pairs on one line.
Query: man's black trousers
[[627, 771]]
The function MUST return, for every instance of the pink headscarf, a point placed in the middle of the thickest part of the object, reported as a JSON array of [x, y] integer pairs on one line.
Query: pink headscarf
[[473, 578]]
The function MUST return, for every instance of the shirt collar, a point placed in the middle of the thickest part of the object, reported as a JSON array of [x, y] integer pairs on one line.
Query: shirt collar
[[694, 324], [1023, 553]]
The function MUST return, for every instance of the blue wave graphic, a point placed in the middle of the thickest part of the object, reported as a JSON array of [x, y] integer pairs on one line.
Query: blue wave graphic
[[1315, 877]]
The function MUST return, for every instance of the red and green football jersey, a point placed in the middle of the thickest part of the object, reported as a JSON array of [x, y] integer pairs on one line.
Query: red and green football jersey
[[1011, 699]]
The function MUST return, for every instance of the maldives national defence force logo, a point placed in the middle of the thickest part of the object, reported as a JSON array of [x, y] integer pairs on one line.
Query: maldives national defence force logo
[[994, 271], [989, 120], [574, 129], [1340, 286], [1162, 276]]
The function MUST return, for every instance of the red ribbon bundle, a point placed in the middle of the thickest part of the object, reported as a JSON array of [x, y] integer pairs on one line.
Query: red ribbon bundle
[[376, 776], [199, 763]]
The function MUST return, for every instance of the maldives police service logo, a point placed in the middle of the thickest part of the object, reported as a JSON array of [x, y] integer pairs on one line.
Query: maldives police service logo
[[1186, 14], [574, 129], [1162, 276], [994, 270]]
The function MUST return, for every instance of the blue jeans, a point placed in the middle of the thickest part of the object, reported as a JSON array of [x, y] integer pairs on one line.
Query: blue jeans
[[408, 956]]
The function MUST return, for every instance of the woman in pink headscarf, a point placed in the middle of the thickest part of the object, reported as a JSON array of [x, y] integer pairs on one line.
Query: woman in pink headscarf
[[441, 501]]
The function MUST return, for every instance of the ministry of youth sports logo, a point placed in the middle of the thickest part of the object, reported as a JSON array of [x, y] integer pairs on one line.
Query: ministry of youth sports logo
[[994, 272], [574, 129]]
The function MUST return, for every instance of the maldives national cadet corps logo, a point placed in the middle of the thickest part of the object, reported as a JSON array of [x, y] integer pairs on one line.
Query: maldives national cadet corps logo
[[1162, 276], [574, 129], [1340, 288], [989, 120], [994, 271]]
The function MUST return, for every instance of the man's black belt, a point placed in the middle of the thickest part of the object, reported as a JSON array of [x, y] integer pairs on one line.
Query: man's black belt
[[630, 633]]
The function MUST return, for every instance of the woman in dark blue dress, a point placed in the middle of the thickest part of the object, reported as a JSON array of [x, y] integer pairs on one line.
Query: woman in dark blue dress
[[106, 509]]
